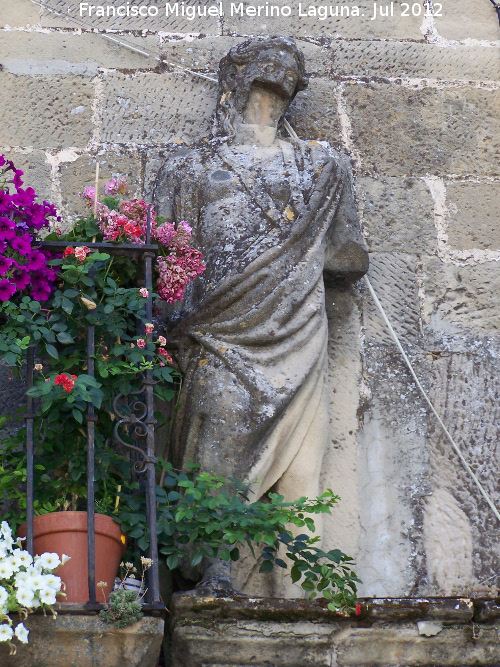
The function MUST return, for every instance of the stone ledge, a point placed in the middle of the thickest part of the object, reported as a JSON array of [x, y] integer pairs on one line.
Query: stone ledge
[[78, 637], [389, 632]]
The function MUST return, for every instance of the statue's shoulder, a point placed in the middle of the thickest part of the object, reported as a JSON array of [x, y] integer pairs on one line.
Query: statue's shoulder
[[320, 153], [181, 158]]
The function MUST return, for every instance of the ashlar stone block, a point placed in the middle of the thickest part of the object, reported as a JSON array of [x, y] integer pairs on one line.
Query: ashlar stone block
[[467, 19], [461, 303], [67, 53], [410, 59], [153, 109], [397, 214], [51, 112], [473, 215], [152, 16], [440, 131], [314, 113], [18, 14], [307, 19]]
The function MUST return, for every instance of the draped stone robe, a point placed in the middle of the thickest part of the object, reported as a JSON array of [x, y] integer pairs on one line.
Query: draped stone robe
[[251, 334]]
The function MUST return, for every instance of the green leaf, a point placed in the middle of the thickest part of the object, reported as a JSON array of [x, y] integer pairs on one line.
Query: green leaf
[[65, 338], [172, 562], [266, 566], [77, 415], [52, 351]]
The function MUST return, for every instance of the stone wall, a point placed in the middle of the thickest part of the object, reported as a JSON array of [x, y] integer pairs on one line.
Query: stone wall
[[415, 101]]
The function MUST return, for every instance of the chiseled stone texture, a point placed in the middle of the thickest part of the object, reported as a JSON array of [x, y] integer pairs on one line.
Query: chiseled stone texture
[[86, 641], [37, 171], [389, 633], [450, 130], [397, 214], [168, 106], [51, 112], [458, 22], [311, 25], [473, 215]]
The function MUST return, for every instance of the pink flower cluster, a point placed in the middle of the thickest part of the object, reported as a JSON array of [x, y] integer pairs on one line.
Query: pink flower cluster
[[21, 264], [116, 187], [179, 267]]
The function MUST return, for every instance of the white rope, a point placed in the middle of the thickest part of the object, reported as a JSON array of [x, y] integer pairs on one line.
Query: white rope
[[429, 403]]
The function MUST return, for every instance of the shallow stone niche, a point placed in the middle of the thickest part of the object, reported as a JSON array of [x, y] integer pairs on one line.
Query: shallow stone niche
[[397, 632], [78, 638]]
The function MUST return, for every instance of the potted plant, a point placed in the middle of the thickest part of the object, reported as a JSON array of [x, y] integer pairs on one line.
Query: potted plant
[[47, 301]]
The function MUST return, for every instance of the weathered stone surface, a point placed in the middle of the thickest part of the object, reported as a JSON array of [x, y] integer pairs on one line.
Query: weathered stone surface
[[473, 215], [393, 276], [19, 14], [397, 130], [465, 389], [417, 60], [460, 301], [466, 19], [305, 25], [35, 53], [75, 176], [397, 215], [37, 171], [204, 53], [262, 632], [51, 112], [87, 642], [170, 107], [314, 114], [153, 21], [341, 530]]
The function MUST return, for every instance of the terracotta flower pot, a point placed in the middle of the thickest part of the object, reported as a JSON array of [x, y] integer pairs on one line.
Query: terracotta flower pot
[[66, 533]]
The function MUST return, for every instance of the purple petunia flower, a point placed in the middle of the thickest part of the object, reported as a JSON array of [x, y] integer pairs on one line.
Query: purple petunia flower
[[6, 224], [2, 160], [36, 260], [20, 278], [22, 244], [24, 197], [40, 293], [5, 264], [7, 289], [17, 178]]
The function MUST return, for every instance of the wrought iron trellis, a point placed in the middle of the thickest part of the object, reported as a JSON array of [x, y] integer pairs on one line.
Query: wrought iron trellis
[[140, 419]]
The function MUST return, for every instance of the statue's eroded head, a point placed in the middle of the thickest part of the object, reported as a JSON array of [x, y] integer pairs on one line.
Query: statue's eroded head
[[272, 64]]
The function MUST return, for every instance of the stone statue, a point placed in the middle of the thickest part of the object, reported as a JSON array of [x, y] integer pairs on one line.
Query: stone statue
[[273, 217]]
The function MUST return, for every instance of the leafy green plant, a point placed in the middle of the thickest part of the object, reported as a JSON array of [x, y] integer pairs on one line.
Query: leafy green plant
[[124, 606], [207, 516]]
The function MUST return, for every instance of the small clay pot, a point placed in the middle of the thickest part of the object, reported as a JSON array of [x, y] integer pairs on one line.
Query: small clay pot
[[66, 533]]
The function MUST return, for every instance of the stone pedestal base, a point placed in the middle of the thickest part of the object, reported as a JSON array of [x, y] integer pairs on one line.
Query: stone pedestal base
[[82, 640], [426, 632]]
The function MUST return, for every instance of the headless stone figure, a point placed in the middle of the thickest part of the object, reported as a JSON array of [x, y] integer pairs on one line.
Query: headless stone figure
[[275, 218]]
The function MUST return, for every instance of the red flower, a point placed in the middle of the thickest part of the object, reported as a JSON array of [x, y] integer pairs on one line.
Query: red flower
[[66, 382], [358, 609], [68, 251]]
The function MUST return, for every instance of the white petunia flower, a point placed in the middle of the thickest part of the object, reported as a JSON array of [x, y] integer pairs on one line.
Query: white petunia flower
[[52, 581], [15, 562], [6, 631], [22, 578], [6, 569], [65, 559], [24, 557], [25, 597], [3, 549], [6, 534], [47, 596], [22, 633], [36, 581], [49, 561], [3, 596]]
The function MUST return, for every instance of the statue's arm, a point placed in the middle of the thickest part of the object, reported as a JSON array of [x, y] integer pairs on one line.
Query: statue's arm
[[346, 256]]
